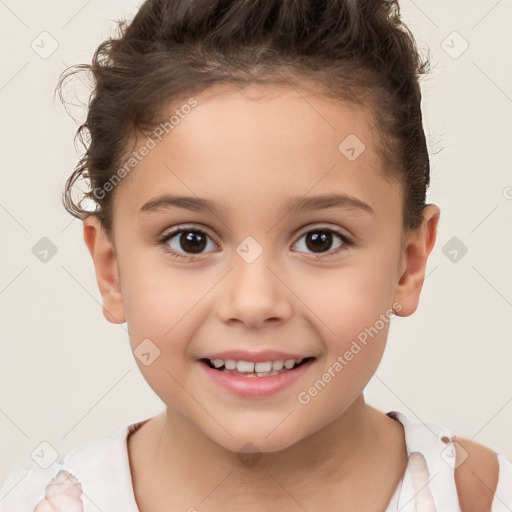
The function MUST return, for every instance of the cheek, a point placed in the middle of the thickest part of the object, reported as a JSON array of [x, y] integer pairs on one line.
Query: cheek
[[160, 319], [352, 314], [354, 330], [164, 304], [155, 300], [348, 298]]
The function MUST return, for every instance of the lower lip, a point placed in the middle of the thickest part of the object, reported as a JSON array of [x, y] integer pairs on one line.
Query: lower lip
[[256, 386]]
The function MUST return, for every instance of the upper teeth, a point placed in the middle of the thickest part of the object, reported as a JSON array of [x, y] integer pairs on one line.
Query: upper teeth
[[249, 366]]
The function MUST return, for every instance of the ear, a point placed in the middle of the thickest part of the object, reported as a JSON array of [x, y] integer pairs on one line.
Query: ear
[[417, 247], [107, 271]]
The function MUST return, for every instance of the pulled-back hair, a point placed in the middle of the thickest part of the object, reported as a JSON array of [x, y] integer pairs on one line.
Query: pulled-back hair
[[356, 50]]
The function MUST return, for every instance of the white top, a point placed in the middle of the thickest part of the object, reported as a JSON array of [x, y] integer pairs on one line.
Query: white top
[[102, 467]]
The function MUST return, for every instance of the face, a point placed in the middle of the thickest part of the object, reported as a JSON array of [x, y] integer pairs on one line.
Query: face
[[249, 273]]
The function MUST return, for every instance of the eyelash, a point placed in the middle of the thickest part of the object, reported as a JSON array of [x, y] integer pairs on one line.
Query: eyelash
[[163, 241]]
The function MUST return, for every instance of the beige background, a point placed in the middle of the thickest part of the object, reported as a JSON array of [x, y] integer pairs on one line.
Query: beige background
[[67, 376]]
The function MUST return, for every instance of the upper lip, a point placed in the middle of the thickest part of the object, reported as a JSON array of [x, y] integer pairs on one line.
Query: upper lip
[[257, 357]]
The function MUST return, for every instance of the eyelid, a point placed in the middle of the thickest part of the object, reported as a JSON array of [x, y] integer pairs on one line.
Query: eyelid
[[302, 231], [328, 227], [191, 227]]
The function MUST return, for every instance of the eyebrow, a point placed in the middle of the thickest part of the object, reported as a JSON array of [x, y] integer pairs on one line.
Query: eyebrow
[[197, 204]]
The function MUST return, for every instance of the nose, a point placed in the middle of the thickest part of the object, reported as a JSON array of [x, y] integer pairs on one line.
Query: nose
[[254, 294]]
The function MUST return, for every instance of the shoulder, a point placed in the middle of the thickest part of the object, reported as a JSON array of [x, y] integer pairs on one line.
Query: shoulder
[[476, 475], [23, 488]]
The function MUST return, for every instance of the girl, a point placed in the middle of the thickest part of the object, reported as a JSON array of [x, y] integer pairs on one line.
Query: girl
[[227, 140]]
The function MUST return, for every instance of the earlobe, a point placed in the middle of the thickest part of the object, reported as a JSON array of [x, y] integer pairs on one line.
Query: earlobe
[[417, 248], [106, 269]]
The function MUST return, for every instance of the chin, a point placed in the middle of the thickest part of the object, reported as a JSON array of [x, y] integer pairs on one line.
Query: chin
[[259, 441]]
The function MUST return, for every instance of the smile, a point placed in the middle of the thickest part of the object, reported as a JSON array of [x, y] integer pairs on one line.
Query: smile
[[254, 379], [254, 369]]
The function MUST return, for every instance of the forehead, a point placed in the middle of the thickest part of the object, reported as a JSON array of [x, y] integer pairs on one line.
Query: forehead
[[263, 144]]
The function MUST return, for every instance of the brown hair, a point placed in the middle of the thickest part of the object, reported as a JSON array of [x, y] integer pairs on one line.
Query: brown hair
[[357, 50]]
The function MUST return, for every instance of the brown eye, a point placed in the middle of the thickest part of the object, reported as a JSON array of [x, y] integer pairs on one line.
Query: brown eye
[[190, 242], [321, 240]]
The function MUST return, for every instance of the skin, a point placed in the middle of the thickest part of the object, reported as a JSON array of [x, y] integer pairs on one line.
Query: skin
[[252, 149]]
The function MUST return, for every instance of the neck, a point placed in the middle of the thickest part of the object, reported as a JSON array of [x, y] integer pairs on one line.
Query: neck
[[179, 456]]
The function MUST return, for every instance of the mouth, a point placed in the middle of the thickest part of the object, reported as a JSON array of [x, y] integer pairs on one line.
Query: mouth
[[250, 369]]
